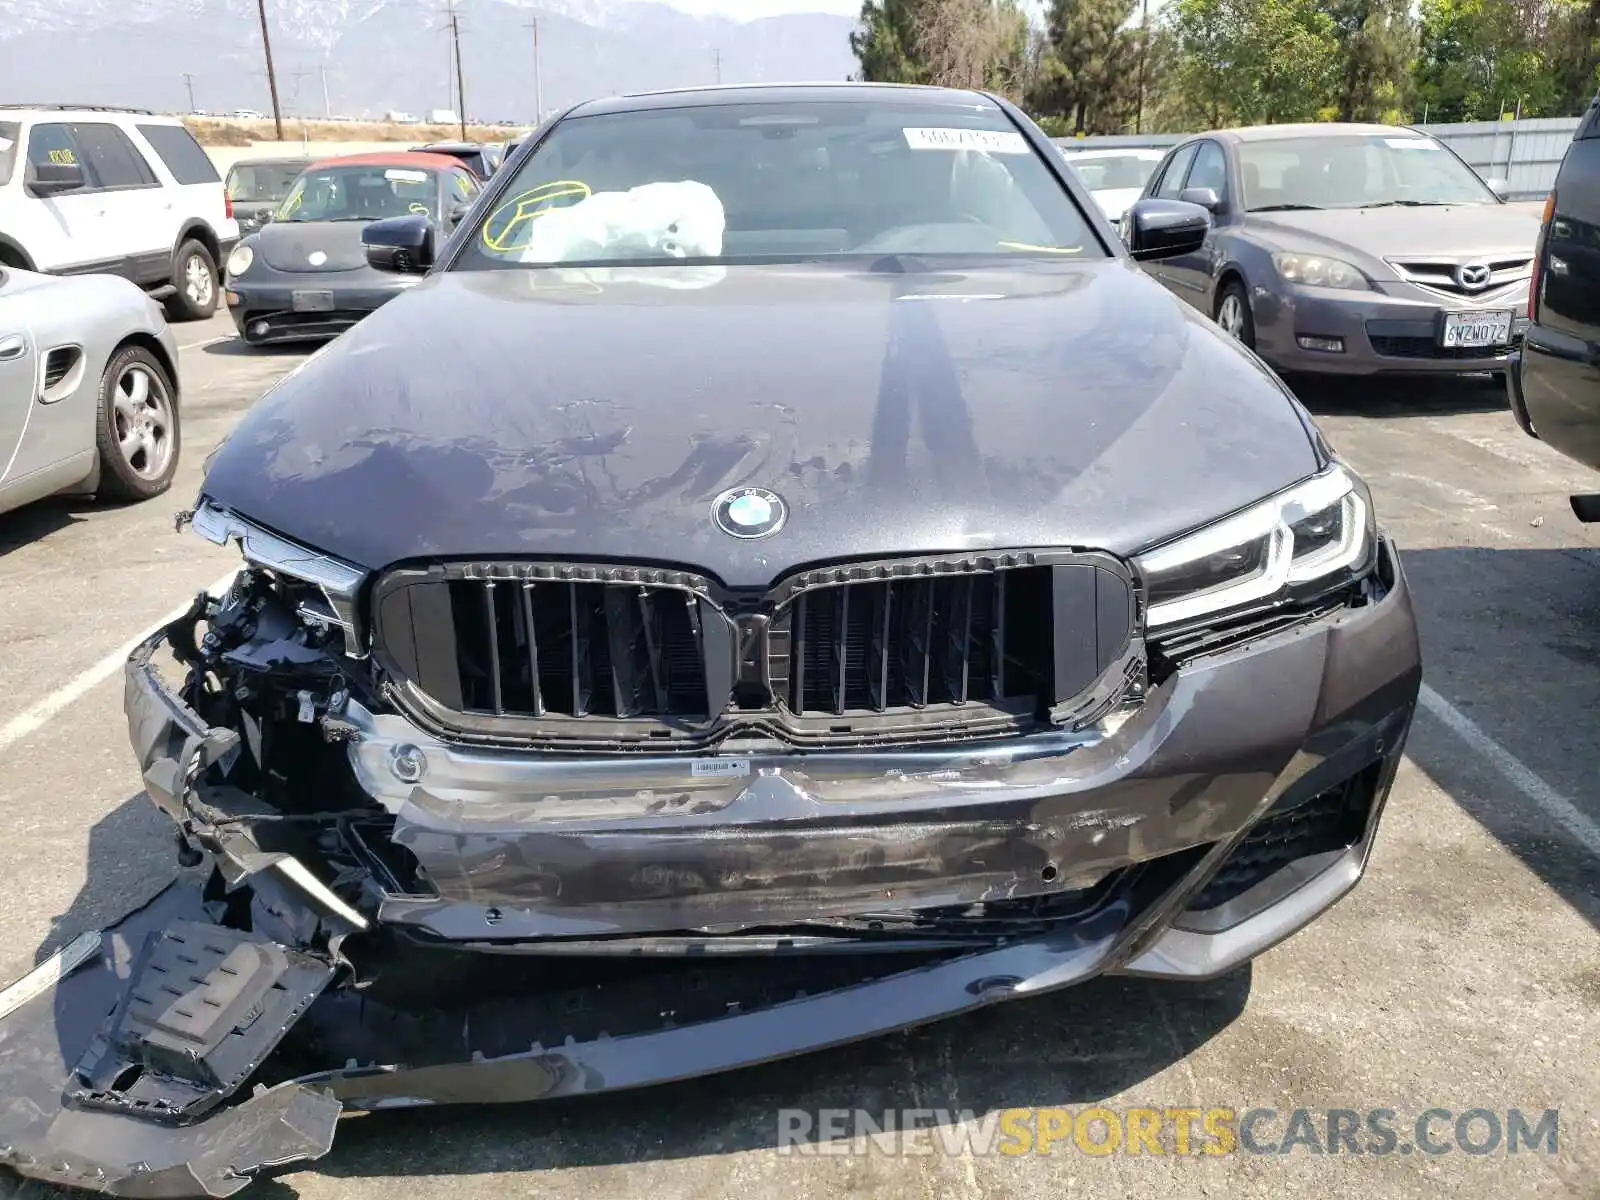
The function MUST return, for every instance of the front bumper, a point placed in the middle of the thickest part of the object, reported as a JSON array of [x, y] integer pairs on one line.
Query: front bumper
[[639, 927], [262, 302], [1380, 332]]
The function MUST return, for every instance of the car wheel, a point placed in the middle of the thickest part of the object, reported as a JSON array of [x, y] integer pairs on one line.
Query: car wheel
[[137, 433], [195, 277], [1233, 314]]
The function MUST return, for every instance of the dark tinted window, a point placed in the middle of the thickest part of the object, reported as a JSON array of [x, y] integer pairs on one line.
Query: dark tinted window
[[463, 187], [110, 156], [1210, 169], [53, 143], [9, 132], [782, 180], [181, 153], [1177, 167]]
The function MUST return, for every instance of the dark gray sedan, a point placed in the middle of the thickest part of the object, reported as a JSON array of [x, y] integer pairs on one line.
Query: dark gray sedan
[[1351, 249]]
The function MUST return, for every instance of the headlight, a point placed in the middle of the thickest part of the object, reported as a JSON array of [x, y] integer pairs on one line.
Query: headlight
[[1314, 270], [239, 261], [339, 581], [1308, 535]]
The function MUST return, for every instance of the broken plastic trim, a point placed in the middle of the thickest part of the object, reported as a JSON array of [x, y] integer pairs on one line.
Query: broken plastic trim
[[339, 581]]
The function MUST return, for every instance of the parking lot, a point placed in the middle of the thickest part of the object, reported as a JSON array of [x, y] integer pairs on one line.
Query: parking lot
[[1463, 973]]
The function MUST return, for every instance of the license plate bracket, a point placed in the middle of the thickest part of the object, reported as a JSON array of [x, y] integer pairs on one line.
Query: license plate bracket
[[1489, 329], [313, 301]]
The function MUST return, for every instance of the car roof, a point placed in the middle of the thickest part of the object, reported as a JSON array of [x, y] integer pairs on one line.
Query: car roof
[[1322, 129], [1150, 152], [778, 93], [447, 147], [391, 158], [282, 160]]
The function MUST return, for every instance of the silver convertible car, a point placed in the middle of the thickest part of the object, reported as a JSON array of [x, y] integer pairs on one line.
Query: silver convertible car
[[88, 389], [1350, 249]]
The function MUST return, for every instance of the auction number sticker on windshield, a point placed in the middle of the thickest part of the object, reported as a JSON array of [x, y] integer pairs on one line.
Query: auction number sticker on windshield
[[989, 141], [406, 175]]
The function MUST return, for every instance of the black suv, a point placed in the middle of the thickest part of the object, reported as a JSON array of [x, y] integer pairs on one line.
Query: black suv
[[1555, 379]]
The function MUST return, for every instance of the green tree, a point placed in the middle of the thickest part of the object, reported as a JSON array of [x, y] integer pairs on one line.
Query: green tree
[[885, 41], [1478, 59], [1251, 62], [1088, 71], [1377, 41]]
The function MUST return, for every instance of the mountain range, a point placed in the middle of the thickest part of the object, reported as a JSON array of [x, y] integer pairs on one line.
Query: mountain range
[[363, 57]]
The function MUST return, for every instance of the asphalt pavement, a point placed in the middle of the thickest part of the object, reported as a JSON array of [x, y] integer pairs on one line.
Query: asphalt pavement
[[1464, 972]]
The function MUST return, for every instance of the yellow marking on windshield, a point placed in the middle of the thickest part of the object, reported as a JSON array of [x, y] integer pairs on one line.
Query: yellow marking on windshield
[[525, 207], [417, 206]]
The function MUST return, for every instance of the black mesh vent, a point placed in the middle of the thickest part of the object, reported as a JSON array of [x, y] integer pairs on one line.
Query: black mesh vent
[[1330, 820]]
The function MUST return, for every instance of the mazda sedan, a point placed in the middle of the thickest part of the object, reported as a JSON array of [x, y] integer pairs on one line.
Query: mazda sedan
[[1351, 249], [782, 575]]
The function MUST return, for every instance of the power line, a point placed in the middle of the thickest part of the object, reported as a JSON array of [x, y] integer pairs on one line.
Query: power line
[[272, 78]]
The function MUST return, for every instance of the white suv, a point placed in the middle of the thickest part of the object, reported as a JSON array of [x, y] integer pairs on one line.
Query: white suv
[[121, 191]]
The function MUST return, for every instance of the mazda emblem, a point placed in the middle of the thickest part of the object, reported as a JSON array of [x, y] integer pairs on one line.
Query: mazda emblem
[[1473, 276]]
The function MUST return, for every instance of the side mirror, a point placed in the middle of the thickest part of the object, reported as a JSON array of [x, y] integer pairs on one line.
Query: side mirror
[[1206, 198], [1500, 187], [47, 179], [403, 245], [1164, 228]]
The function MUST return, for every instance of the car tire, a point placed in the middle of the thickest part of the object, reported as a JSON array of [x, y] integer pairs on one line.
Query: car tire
[[194, 274], [1233, 314], [136, 430]]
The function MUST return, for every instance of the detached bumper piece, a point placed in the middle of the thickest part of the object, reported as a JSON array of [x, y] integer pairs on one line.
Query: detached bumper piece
[[131, 1103]]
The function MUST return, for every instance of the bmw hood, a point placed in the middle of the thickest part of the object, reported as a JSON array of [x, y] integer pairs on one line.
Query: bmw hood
[[312, 245], [1449, 231], [600, 414]]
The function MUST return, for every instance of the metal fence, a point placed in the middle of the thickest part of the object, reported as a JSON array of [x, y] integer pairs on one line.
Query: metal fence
[[1526, 154]]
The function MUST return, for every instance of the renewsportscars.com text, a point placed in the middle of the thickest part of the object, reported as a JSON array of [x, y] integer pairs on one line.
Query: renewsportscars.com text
[[1216, 1130]]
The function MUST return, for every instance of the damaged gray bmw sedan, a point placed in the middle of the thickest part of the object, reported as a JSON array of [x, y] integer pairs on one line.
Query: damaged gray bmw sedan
[[784, 574]]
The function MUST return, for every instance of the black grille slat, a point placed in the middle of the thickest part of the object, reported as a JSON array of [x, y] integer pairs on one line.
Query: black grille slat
[[924, 648], [492, 624], [841, 648], [531, 639], [57, 363]]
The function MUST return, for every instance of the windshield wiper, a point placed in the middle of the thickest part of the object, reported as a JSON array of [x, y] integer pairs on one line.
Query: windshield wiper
[[1411, 204], [1288, 208]]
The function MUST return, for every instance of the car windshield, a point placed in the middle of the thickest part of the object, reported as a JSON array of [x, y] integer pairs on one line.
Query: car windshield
[[256, 182], [775, 181], [1355, 171], [365, 192], [1114, 172]]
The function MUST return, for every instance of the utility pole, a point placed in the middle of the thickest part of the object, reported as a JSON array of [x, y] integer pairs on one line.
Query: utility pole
[[716, 60], [461, 84], [188, 82], [1144, 53], [272, 78], [297, 75], [327, 106], [538, 78]]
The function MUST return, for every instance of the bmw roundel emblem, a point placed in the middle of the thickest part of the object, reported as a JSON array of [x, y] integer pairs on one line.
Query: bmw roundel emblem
[[317, 257], [749, 512]]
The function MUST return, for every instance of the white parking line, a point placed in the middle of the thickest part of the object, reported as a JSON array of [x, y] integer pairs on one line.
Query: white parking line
[[221, 337], [1553, 804], [30, 720]]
